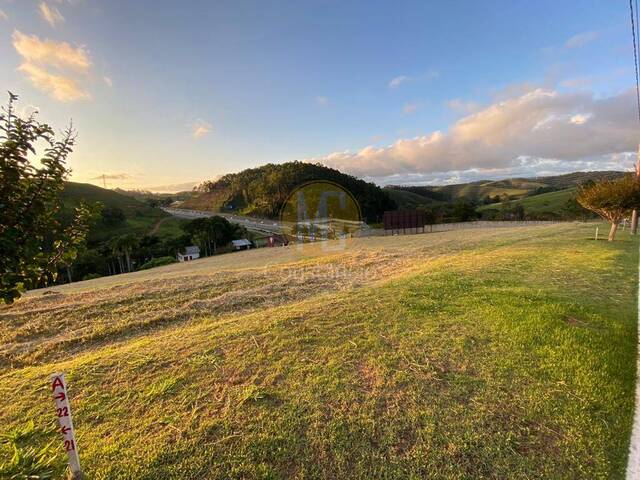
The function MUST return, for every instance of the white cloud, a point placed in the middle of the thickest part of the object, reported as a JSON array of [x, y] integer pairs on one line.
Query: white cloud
[[51, 15], [108, 81], [538, 126], [460, 105], [581, 39], [60, 88], [322, 101], [3, 15], [410, 107], [49, 52], [401, 79], [397, 81], [200, 128]]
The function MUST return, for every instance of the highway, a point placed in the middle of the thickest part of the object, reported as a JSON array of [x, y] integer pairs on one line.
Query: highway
[[261, 225]]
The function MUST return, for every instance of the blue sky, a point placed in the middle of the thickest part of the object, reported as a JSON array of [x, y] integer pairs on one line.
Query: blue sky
[[164, 93]]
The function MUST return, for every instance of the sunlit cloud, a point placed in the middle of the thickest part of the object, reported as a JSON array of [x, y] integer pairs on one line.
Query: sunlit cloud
[[538, 126], [460, 105], [200, 128], [108, 81], [51, 53], [581, 39], [51, 15], [580, 119], [38, 55], [60, 88], [3, 15]]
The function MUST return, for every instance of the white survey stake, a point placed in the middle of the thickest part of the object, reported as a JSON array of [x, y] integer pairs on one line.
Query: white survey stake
[[63, 412]]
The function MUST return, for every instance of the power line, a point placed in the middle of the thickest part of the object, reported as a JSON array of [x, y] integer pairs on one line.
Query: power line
[[635, 53]]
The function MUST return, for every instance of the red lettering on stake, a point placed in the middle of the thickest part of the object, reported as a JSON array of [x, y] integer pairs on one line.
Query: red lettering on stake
[[57, 383]]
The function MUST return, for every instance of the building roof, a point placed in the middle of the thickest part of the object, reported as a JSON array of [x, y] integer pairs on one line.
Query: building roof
[[191, 250], [243, 242]]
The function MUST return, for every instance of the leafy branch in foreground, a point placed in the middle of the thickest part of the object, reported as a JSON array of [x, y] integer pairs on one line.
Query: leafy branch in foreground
[[613, 200], [33, 242]]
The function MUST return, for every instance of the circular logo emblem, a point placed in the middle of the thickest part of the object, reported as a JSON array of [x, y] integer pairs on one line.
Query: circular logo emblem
[[320, 210]]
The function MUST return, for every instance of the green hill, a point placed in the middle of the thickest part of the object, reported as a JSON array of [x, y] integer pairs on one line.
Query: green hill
[[479, 190], [139, 218], [550, 204], [409, 200], [513, 188], [75, 192], [262, 191]]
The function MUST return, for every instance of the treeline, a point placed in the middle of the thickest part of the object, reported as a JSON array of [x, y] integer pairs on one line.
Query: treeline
[[262, 191], [129, 252]]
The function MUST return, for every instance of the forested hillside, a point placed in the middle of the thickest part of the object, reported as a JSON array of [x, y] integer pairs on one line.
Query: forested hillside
[[540, 198], [262, 191], [124, 226], [511, 189]]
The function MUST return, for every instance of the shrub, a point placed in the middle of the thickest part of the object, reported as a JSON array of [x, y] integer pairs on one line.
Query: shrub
[[157, 262]]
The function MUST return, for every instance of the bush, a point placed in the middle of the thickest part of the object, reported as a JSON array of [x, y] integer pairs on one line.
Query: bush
[[91, 276], [157, 262]]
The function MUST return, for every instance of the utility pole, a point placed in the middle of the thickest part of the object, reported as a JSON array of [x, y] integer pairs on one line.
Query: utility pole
[[634, 213]]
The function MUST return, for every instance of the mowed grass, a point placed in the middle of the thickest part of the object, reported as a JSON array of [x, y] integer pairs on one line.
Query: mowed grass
[[493, 353]]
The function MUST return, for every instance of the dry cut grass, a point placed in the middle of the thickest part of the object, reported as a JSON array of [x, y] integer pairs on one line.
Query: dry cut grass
[[504, 353]]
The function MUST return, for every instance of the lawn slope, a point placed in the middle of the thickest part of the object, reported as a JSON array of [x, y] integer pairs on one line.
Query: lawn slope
[[493, 353]]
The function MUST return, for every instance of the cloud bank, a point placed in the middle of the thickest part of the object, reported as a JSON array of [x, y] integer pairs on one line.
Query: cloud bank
[[532, 131]]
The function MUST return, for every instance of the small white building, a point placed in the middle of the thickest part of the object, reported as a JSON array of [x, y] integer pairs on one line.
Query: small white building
[[241, 244], [190, 253]]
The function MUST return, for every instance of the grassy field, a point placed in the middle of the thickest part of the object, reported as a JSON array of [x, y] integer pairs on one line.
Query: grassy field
[[494, 353], [550, 202]]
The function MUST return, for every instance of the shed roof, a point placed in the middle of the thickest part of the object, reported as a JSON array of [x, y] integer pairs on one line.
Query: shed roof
[[191, 250], [242, 242]]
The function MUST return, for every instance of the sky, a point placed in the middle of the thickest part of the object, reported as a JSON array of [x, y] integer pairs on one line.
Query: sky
[[166, 94]]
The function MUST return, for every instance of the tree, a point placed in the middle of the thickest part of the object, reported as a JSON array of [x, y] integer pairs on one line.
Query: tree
[[125, 245], [613, 200], [112, 216], [197, 230], [464, 211], [33, 242]]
